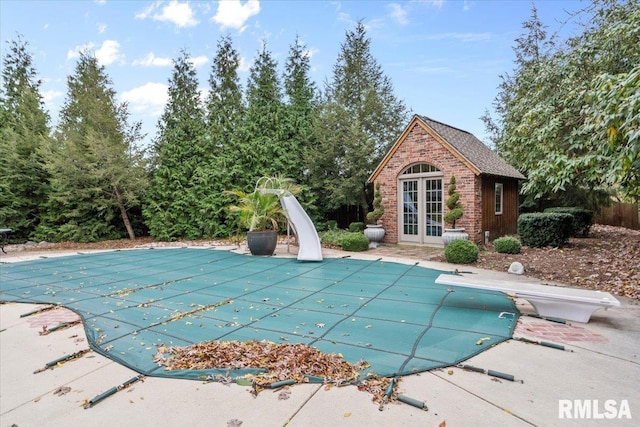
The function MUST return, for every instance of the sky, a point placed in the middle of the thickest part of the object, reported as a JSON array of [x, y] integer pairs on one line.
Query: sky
[[444, 57]]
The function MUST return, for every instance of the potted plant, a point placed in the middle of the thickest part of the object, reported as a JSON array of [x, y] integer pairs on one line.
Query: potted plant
[[261, 212], [455, 212], [375, 232]]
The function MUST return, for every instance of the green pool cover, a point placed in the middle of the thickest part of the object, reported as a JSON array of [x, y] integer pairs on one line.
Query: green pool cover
[[392, 315]]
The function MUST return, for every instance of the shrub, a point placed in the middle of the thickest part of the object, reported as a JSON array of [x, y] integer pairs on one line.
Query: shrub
[[461, 252], [582, 219], [507, 245], [356, 227], [378, 208], [453, 203], [545, 229], [332, 237], [332, 224], [355, 242]]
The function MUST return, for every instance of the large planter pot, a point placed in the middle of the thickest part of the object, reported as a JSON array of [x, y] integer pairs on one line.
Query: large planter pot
[[375, 234], [262, 242], [451, 234]]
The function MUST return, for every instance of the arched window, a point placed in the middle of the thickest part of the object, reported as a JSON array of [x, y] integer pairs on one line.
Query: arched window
[[420, 168]]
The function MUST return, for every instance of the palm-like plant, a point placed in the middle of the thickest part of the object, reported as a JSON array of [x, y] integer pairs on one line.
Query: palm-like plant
[[258, 210], [261, 210]]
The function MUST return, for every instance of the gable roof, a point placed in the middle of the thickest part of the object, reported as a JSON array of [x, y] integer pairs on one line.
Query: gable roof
[[462, 144]]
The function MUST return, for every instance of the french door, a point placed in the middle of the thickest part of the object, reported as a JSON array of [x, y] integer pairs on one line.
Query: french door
[[420, 219]]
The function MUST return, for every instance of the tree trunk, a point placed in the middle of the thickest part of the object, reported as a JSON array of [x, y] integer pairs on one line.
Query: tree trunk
[[123, 213]]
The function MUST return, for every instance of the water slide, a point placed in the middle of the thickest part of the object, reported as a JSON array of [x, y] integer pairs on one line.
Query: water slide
[[309, 248]]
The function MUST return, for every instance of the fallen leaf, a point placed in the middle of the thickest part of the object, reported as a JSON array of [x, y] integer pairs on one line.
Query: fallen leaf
[[347, 414]]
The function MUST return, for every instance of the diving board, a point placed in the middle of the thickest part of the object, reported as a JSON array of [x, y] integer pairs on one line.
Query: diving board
[[549, 301]]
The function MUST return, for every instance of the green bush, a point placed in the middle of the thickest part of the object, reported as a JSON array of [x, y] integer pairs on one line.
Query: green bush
[[355, 242], [582, 219], [356, 227], [332, 237], [507, 245], [545, 229], [461, 252]]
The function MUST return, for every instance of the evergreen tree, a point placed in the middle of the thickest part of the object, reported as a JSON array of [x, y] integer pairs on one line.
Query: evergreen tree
[[265, 151], [301, 98], [24, 131], [225, 112], [358, 122], [172, 203], [97, 171]]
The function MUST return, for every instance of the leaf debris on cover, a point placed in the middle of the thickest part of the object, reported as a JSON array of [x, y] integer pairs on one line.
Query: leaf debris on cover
[[280, 361]]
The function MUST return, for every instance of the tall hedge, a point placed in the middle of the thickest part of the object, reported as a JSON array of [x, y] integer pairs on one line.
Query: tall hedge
[[545, 229], [582, 219]]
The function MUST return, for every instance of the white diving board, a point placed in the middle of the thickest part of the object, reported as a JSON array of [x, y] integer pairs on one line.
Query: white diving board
[[549, 301]]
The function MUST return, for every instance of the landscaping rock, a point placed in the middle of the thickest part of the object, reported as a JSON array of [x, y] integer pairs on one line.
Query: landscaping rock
[[516, 268]]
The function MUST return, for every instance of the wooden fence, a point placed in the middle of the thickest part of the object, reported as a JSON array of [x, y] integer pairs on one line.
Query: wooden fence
[[619, 214]]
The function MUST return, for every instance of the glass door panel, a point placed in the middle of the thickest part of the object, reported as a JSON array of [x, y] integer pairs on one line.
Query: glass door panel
[[410, 212], [421, 210]]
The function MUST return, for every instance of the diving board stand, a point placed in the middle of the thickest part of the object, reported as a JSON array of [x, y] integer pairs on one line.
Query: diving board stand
[[549, 301]]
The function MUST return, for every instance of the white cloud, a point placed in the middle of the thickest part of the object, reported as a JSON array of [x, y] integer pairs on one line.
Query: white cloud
[[398, 14], [244, 65], [102, 28], [151, 60], [106, 54], [434, 3], [148, 99], [310, 53], [234, 14], [198, 60], [76, 51], [109, 52], [49, 96], [144, 14], [180, 14]]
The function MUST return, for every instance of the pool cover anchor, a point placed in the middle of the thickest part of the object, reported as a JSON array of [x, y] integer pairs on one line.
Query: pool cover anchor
[[39, 310], [113, 390], [387, 394], [62, 359], [413, 402], [491, 373], [59, 327], [544, 344]]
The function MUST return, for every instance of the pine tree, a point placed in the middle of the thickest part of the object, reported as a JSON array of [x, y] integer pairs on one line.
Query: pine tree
[[264, 150], [97, 171], [172, 202], [301, 97], [24, 132], [358, 122], [225, 112]]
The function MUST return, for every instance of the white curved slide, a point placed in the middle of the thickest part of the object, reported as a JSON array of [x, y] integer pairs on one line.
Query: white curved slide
[[309, 248]]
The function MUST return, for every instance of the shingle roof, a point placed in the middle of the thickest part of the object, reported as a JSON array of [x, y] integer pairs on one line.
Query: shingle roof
[[472, 149]]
